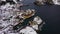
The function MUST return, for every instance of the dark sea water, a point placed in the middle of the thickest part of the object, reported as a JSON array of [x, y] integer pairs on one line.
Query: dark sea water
[[49, 13]]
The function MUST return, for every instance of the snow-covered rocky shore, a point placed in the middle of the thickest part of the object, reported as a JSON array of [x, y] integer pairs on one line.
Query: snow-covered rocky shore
[[11, 16]]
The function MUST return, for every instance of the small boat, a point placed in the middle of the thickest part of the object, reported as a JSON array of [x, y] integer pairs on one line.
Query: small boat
[[29, 13], [36, 21]]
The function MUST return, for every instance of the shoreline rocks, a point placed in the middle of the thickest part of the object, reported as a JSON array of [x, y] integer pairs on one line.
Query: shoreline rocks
[[43, 2], [47, 2]]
